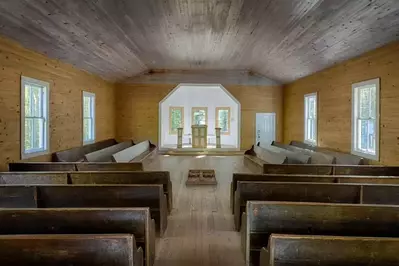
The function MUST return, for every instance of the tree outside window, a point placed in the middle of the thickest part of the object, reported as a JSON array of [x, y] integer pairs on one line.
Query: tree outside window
[[223, 119], [176, 117]]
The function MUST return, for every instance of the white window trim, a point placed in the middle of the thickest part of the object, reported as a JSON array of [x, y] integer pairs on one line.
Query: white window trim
[[354, 151], [305, 119], [25, 155], [91, 95]]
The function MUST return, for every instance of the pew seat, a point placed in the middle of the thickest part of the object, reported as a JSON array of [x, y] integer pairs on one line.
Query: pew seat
[[77, 154], [76, 250], [135, 153]]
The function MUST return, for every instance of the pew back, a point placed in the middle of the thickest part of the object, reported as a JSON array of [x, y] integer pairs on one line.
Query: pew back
[[41, 167], [17, 197], [100, 166], [78, 250], [151, 177], [288, 250], [134, 221], [33, 178]]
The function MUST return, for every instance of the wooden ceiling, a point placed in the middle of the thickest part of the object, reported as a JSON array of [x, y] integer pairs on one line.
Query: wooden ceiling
[[281, 39]]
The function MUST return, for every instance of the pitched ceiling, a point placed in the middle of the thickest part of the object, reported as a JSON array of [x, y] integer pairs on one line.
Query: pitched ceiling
[[281, 39]]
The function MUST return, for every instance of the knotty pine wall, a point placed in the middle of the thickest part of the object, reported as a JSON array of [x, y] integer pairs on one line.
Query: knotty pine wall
[[137, 113], [334, 88], [66, 86]]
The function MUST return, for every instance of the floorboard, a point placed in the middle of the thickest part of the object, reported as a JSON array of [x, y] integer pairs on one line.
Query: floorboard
[[200, 228]]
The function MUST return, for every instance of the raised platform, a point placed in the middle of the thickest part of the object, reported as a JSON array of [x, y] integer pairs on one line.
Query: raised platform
[[211, 150]]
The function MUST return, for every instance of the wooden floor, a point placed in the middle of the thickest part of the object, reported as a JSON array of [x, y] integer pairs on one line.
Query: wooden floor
[[200, 228]]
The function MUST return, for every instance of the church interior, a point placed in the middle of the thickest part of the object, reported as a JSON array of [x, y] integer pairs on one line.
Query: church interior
[[199, 132]]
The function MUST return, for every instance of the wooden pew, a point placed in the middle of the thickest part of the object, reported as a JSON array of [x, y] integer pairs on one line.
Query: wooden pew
[[290, 191], [136, 221], [256, 157], [33, 178], [77, 250], [265, 218], [17, 197], [276, 178], [290, 250], [299, 169], [154, 177], [388, 180], [380, 194], [340, 157], [135, 153], [77, 154], [41, 167], [292, 157], [370, 170], [105, 155], [315, 157], [331, 169], [107, 196], [99, 166]]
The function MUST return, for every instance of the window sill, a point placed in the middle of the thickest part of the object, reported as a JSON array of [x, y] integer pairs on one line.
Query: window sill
[[313, 143], [88, 142], [366, 155], [33, 154]]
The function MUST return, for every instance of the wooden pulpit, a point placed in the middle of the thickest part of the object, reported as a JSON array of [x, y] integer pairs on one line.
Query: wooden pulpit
[[199, 135]]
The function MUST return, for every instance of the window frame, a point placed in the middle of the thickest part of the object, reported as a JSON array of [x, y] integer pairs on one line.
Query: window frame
[[305, 124], [355, 111], [171, 108], [193, 109], [228, 119], [93, 118], [45, 106]]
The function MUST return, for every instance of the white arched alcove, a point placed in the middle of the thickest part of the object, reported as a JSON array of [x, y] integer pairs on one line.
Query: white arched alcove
[[210, 96]]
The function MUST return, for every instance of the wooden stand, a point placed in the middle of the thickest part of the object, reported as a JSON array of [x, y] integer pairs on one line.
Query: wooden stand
[[199, 133], [180, 138], [201, 177], [218, 140]]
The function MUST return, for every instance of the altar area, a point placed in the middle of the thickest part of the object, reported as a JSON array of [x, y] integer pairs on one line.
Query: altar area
[[191, 120]]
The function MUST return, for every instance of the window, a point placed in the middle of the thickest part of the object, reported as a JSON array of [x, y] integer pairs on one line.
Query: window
[[200, 116], [89, 117], [365, 119], [311, 118], [176, 119], [34, 117], [223, 119]]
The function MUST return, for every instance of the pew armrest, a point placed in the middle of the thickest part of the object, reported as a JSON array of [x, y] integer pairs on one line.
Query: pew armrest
[[265, 257], [164, 215], [151, 244], [237, 214], [243, 233], [140, 260]]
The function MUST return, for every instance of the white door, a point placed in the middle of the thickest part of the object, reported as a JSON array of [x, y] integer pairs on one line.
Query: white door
[[265, 128]]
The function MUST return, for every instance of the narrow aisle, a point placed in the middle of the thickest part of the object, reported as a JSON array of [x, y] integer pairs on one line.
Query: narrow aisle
[[200, 228]]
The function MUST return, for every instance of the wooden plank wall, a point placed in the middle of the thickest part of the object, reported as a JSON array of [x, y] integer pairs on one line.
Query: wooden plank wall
[[334, 88], [138, 118], [66, 85]]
